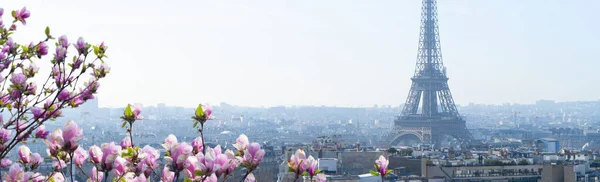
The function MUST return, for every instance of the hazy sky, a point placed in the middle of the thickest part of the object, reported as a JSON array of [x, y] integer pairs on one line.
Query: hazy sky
[[328, 52]]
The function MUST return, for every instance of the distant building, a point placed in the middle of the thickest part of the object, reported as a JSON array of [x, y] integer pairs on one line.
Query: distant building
[[548, 145]]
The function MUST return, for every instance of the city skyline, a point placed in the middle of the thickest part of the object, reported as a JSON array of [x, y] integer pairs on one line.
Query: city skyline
[[337, 54]]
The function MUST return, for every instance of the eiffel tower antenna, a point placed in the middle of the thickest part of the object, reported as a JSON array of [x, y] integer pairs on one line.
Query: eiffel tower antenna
[[429, 112]]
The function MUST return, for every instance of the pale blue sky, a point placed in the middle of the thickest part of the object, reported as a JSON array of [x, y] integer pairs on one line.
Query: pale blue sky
[[329, 52]]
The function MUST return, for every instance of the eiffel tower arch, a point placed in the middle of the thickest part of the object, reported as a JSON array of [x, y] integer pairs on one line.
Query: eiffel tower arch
[[429, 113]]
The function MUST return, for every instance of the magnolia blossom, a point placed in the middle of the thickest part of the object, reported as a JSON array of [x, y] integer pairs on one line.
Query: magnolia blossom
[[36, 160], [4, 135], [137, 110], [179, 154], [208, 112], [22, 15], [37, 177], [312, 166], [95, 154], [167, 176], [250, 178], [81, 46], [15, 174], [41, 132], [170, 142], [24, 154], [321, 178], [110, 152], [212, 178], [71, 135], [241, 143], [197, 145], [120, 166], [96, 176], [253, 156], [79, 156], [55, 141], [4, 163], [151, 156], [298, 162], [125, 143], [57, 177], [381, 164]]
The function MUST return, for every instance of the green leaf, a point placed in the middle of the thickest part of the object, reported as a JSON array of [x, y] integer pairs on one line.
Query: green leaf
[[187, 180], [96, 50], [25, 48], [198, 173], [13, 13], [199, 111], [123, 180], [290, 169], [374, 173], [305, 173], [124, 124], [195, 123], [389, 171], [128, 111], [129, 150], [317, 171], [47, 31], [51, 179]]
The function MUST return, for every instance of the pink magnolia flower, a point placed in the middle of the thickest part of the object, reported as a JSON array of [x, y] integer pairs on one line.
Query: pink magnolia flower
[[208, 112], [170, 142], [95, 154], [63, 41], [42, 49], [381, 164], [212, 178], [120, 165], [4, 135], [36, 160], [22, 15], [72, 134], [321, 178], [37, 177], [18, 79], [125, 143], [233, 161], [4, 163], [80, 156], [167, 176], [298, 162], [15, 174], [96, 176], [57, 177], [1, 11], [151, 155], [24, 154], [55, 141], [197, 145], [41, 132], [191, 165], [253, 155], [179, 154], [64, 95], [241, 143], [312, 166], [137, 110], [250, 178], [110, 152], [60, 54], [81, 46]]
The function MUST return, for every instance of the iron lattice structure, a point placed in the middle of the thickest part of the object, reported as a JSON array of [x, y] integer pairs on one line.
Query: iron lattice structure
[[429, 111]]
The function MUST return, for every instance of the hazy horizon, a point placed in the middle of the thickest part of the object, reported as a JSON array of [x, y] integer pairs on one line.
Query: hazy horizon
[[333, 53]]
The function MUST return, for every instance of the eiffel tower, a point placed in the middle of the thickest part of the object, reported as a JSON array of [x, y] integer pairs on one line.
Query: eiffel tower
[[429, 113]]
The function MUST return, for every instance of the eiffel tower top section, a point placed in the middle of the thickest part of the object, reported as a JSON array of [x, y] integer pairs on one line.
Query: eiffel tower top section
[[429, 58]]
